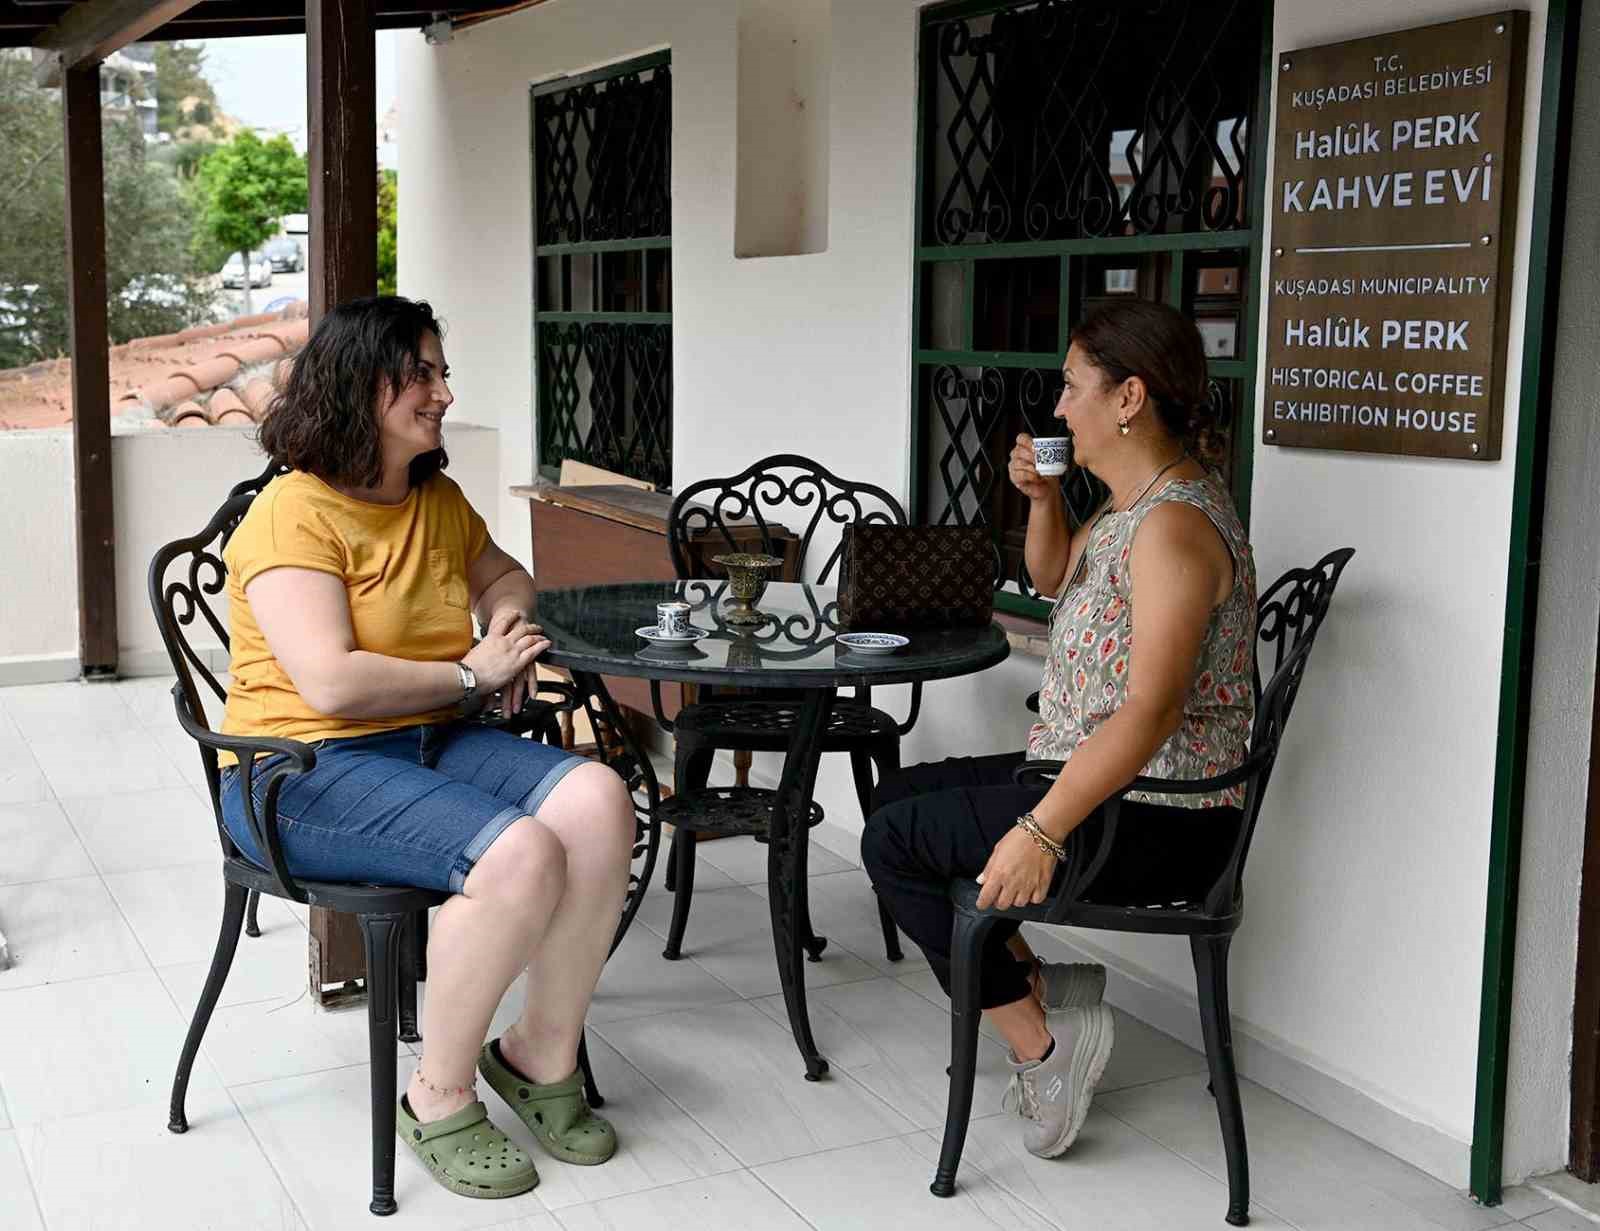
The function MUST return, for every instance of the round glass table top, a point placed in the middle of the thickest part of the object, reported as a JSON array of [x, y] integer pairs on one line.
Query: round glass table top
[[595, 629]]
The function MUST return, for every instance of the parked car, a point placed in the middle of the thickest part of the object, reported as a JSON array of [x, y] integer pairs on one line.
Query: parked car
[[286, 255], [260, 271]]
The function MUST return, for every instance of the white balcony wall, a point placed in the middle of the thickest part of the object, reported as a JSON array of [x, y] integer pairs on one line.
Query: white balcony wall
[[166, 484]]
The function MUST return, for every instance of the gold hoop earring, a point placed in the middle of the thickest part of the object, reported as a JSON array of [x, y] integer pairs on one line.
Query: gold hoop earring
[[1122, 427]]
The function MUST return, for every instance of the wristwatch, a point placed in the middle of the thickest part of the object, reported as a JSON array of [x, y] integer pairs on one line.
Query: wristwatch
[[469, 684]]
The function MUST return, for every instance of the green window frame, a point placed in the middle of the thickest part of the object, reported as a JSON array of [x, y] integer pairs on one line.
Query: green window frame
[[602, 277], [1052, 174]]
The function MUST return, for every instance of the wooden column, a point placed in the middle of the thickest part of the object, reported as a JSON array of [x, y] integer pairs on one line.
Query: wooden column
[[342, 114], [341, 100], [91, 380]]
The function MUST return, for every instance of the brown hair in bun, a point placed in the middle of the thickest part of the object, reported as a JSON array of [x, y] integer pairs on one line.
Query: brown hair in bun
[[1162, 348]]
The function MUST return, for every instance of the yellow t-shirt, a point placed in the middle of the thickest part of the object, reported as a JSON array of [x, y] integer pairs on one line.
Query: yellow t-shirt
[[404, 569]]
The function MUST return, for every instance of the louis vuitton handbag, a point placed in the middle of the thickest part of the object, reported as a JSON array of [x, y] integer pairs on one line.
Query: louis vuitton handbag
[[916, 576]]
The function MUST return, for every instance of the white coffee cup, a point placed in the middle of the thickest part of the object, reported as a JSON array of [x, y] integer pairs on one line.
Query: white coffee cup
[[672, 619], [1050, 455]]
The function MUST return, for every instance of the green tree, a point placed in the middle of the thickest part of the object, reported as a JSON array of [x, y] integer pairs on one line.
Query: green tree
[[388, 206], [149, 283], [180, 74], [244, 188], [184, 157]]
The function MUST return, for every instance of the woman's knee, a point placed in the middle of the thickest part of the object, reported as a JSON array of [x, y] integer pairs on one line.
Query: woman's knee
[[594, 797], [881, 842], [894, 786], [526, 865]]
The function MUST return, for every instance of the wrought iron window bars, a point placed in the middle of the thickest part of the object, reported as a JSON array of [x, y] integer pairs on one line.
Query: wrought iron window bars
[[603, 280], [1068, 152]]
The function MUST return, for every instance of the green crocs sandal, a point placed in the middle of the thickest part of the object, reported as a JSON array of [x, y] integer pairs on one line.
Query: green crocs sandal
[[467, 1154], [557, 1114]]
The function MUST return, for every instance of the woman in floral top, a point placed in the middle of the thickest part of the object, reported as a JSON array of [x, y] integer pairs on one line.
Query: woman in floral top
[[1135, 402]]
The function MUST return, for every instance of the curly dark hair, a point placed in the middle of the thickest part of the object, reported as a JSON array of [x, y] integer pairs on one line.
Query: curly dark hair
[[323, 420], [1162, 347]]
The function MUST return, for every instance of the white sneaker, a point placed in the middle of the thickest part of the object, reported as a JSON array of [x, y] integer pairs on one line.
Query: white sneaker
[[1053, 1094], [1071, 985]]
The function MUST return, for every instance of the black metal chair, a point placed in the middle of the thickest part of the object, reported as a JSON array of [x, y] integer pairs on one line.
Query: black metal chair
[[393, 919], [541, 718], [711, 508], [1289, 614]]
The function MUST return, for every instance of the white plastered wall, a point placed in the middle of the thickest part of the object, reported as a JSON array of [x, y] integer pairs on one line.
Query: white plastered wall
[[1357, 975], [165, 484]]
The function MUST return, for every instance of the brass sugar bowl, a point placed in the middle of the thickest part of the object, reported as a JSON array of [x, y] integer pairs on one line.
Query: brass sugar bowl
[[748, 574]]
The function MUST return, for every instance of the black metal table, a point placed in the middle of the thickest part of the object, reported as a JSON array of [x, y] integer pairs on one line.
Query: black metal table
[[592, 631]]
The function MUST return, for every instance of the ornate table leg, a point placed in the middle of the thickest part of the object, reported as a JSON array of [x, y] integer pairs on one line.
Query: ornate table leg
[[636, 770], [786, 868]]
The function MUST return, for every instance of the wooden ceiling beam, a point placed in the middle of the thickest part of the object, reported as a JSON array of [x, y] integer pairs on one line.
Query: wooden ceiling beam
[[90, 31], [31, 21]]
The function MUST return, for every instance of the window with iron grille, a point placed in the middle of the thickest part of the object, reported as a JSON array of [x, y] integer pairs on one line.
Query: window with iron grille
[[602, 244], [1071, 152]]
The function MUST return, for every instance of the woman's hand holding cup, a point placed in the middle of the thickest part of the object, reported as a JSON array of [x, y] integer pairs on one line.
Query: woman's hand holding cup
[[1024, 471]]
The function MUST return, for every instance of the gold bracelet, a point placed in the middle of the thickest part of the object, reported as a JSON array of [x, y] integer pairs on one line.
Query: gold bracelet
[[1042, 840]]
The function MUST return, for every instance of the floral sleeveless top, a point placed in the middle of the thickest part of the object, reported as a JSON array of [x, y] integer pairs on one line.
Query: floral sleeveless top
[[1091, 644]]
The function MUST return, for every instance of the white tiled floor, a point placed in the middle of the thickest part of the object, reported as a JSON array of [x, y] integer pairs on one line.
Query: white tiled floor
[[110, 900]]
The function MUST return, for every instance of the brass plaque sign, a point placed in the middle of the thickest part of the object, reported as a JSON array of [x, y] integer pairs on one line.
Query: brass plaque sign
[[1393, 202]]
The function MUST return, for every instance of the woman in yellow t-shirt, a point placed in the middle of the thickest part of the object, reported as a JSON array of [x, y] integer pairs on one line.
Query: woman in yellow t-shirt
[[353, 581]]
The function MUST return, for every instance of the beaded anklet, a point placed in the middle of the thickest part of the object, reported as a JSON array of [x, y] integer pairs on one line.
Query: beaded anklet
[[443, 1090]]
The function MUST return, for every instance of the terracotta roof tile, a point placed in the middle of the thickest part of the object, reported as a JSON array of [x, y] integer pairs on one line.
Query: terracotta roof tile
[[259, 318], [170, 377], [157, 342], [253, 350], [203, 331], [34, 408], [222, 402], [292, 333], [257, 394], [210, 373], [162, 393]]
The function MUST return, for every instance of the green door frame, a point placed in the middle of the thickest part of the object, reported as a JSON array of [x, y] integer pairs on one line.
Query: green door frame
[[558, 85], [1556, 90]]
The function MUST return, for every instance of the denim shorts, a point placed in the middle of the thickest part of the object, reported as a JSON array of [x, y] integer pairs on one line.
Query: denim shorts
[[417, 806]]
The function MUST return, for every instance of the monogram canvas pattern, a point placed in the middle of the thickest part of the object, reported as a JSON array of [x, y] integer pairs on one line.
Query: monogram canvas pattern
[[916, 576]]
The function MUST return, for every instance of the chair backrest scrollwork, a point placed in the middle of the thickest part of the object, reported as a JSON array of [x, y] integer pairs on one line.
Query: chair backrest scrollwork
[[185, 577], [1292, 609], [1289, 614], [761, 496]]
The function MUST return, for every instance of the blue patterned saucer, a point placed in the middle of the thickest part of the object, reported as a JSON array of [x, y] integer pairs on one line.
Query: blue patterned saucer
[[873, 643], [649, 633]]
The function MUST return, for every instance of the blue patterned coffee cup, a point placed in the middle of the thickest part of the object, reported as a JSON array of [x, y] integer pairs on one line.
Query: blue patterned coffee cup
[[672, 619], [1050, 455]]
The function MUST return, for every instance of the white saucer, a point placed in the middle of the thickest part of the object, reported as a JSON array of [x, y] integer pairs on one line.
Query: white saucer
[[648, 632], [873, 643]]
